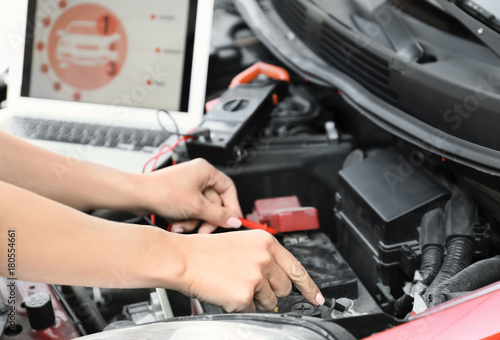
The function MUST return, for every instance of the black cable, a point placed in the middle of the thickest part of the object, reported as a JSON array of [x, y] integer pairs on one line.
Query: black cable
[[195, 134], [88, 310], [148, 221], [134, 220], [432, 258], [72, 315], [403, 306], [431, 243], [177, 133]]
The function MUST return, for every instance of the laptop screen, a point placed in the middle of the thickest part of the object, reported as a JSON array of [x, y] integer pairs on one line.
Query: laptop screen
[[112, 52]]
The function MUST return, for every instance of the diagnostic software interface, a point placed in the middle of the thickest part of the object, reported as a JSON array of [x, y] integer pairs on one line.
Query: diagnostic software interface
[[131, 53]]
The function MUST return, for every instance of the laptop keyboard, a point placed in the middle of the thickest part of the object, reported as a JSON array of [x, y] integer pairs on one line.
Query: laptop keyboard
[[124, 138]]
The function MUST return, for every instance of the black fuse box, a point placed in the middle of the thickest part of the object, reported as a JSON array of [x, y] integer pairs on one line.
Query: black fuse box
[[379, 205]]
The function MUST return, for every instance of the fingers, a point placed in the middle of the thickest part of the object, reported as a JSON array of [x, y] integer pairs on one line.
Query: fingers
[[297, 274], [215, 214], [222, 184], [207, 228], [184, 226], [279, 282], [249, 309], [265, 298], [189, 226], [242, 302], [213, 197]]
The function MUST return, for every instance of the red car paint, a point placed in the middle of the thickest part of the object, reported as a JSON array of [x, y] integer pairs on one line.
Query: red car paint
[[62, 330], [472, 316]]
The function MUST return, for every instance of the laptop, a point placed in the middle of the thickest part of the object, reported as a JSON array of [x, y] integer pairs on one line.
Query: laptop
[[90, 77]]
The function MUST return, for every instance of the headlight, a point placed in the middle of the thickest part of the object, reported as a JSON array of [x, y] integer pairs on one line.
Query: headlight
[[232, 327]]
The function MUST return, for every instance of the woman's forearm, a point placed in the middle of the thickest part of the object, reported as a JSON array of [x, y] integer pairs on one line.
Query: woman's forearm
[[79, 184], [54, 243], [57, 244]]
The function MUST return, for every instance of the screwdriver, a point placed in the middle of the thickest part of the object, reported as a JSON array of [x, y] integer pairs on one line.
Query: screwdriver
[[254, 225]]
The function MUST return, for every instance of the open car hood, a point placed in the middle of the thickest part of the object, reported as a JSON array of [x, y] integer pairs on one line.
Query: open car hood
[[448, 106]]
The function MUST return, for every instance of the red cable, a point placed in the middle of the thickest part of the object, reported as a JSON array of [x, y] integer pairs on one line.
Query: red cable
[[161, 152], [156, 158]]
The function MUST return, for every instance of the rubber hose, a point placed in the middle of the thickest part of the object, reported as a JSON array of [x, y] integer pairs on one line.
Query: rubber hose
[[476, 276], [432, 258], [459, 252]]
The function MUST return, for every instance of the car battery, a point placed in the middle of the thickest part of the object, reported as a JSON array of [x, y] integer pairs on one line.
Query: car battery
[[284, 214], [328, 270], [323, 263], [379, 205]]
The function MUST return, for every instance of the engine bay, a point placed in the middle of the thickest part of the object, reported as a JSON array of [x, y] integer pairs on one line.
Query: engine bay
[[385, 228]]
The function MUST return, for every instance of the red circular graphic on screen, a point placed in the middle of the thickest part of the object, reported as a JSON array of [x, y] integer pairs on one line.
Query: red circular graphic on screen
[[87, 46]]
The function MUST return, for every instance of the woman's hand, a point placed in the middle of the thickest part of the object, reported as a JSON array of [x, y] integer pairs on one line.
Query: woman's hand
[[242, 271], [239, 271], [191, 192]]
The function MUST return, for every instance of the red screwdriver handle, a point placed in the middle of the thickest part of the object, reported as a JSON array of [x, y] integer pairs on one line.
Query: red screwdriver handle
[[254, 225]]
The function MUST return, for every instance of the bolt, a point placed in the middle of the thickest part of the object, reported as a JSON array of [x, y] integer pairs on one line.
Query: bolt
[[303, 308]]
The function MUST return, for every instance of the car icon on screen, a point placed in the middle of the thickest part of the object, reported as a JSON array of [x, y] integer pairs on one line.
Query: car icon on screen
[[81, 43]]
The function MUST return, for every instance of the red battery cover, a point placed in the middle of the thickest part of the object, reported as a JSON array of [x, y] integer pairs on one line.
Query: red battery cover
[[295, 219], [284, 214], [266, 207]]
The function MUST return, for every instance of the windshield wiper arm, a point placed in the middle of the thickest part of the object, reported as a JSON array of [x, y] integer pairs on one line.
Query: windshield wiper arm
[[484, 33]]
